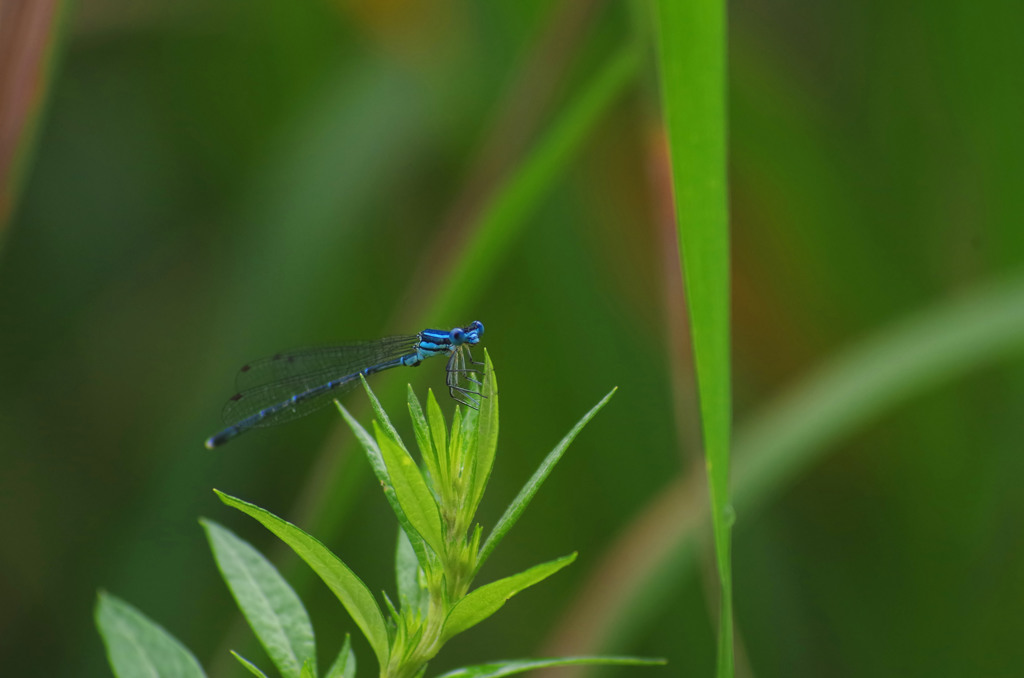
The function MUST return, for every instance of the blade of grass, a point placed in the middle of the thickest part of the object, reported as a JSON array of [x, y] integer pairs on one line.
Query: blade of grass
[[692, 64]]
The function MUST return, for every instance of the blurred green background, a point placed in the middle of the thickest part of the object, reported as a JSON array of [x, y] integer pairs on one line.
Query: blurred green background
[[210, 182]]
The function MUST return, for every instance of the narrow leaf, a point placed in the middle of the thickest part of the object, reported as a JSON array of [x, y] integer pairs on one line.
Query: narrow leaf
[[137, 646], [249, 666], [344, 665], [486, 434], [522, 500], [380, 469], [455, 445], [307, 670], [692, 59], [489, 598], [269, 604], [407, 570], [439, 432], [509, 667], [414, 496], [349, 589], [424, 440], [382, 416]]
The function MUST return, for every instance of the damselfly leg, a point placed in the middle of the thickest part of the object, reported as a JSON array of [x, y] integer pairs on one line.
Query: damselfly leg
[[458, 372]]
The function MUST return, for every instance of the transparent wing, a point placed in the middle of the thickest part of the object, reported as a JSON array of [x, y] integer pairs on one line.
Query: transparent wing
[[311, 392], [320, 360]]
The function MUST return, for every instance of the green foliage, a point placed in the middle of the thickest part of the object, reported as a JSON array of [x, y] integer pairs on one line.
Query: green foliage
[[248, 665], [269, 604], [513, 666], [356, 598], [137, 646], [244, 177], [436, 557], [692, 60], [522, 500], [488, 599], [344, 665]]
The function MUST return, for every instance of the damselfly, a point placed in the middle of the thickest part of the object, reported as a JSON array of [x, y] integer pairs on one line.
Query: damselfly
[[290, 385]]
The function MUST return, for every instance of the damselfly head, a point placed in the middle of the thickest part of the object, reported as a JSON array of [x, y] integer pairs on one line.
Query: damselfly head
[[467, 335]]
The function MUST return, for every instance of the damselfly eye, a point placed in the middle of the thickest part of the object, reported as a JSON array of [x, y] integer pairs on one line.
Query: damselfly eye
[[458, 335]]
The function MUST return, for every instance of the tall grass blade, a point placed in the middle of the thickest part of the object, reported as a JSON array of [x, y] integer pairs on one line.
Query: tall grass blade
[[692, 63]]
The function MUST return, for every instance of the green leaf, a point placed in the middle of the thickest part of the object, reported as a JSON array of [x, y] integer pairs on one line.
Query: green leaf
[[489, 598], [269, 604], [349, 589], [486, 441], [380, 469], [344, 665], [693, 77], [456, 447], [137, 646], [308, 671], [415, 498], [381, 415], [407, 569], [522, 500], [511, 666], [424, 440], [249, 666], [439, 432]]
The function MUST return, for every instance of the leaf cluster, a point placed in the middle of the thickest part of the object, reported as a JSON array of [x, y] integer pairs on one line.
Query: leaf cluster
[[438, 556]]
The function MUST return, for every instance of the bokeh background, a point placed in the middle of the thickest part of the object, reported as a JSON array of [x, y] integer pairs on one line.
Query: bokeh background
[[203, 183]]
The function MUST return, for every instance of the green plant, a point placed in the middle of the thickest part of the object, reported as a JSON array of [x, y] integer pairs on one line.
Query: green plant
[[438, 556]]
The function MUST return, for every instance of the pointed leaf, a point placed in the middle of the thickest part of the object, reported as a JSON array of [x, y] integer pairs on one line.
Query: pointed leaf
[[249, 666], [380, 469], [414, 496], [382, 416], [349, 589], [522, 500], [344, 665], [488, 599], [511, 666], [486, 441], [423, 438], [308, 671], [694, 84], [137, 646], [269, 604], [456, 457], [407, 574], [439, 432]]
